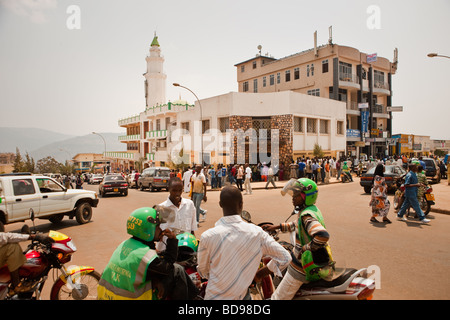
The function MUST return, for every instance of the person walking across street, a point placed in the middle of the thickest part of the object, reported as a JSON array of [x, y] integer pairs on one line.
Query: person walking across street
[[379, 201], [248, 178], [411, 185], [198, 182], [270, 178]]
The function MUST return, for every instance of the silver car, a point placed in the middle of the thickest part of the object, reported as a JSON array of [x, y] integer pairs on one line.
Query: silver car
[[154, 178]]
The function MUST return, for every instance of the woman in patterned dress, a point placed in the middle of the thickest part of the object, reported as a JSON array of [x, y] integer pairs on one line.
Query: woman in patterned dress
[[379, 201]]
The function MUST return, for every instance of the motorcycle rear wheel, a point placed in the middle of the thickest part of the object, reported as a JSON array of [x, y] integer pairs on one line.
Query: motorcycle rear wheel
[[87, 285]]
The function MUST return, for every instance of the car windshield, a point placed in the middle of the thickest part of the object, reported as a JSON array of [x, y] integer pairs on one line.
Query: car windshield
[[389, 169], [114, 178], [429, 163], [162, 173], [98, 176]]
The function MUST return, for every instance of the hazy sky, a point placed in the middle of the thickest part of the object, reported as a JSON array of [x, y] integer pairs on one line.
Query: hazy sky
[[80, 80]]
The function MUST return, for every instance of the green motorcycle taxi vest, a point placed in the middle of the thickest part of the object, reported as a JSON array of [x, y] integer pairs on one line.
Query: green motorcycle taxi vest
[[124, 278], [313, 271]]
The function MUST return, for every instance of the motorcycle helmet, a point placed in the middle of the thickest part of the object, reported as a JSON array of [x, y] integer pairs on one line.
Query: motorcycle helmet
[[187, 249], [187, 240], [143, 221], [307, 188]]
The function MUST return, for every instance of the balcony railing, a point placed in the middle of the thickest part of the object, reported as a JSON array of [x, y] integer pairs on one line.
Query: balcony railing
[[129, 120], [348, 77], [133, 137], [156, 134], [123, 155]]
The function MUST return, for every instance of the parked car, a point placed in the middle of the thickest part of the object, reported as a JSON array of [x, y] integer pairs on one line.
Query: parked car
[[20, 192], [432, 170], [96, 178], [113, 183], [154, 178], [391, 175]]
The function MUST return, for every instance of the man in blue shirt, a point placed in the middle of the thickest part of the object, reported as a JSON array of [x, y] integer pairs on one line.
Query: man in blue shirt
[[411, 185]]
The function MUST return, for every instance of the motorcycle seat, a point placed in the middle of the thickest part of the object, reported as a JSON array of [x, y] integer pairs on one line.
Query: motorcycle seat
[[329, 284]]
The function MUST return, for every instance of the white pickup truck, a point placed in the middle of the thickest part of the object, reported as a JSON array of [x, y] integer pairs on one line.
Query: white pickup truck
[[49, 200]]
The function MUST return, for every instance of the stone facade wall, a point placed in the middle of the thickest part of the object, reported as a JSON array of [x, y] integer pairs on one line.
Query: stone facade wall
[[280, 140]]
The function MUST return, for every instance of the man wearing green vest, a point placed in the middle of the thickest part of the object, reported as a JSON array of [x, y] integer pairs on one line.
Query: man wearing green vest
[[137, 272], [311, 257]]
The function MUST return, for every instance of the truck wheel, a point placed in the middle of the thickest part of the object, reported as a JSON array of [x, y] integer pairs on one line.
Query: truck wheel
[[84, 213]]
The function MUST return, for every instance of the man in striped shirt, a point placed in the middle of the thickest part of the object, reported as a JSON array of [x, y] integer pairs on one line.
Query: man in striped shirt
[[230, 253]]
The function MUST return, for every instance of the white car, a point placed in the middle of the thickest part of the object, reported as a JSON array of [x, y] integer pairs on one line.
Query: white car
[[49, 200], [96, 179]]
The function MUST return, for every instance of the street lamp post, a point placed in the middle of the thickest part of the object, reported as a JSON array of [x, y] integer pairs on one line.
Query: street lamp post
[[432, 55], [104, 154], [201, 120]]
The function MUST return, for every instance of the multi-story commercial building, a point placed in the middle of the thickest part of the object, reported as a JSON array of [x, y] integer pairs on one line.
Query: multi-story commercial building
[[362, 81]]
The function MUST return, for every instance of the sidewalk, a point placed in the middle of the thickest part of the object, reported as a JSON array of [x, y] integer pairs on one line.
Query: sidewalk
[[441, 192]]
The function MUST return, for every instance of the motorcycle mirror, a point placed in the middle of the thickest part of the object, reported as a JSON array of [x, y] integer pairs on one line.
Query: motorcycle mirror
[[31, 213], [25, 229], [246, 216]]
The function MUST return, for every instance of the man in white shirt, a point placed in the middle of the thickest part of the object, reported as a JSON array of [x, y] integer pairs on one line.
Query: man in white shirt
[[248, 178], [185, 219], [230, 253], [198, 181], [187, 180]]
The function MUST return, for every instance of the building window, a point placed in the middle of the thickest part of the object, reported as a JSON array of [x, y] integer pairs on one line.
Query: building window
[[324, 126], [278, 77], [298, 124], [254, 64], [311, 125], [224, 124], [345, 71], [288, 75], [296, 73], [158, 124], [272, 79], [378, 78], [255, 85], [245, 86], [325, 66], [185, 126], [264, 81], [314, 92], [312, 69], [205, 126], [340, 127], [243, 68], [307, 70]]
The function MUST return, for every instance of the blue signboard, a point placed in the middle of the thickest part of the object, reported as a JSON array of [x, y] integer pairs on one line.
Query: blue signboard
[[364, 121]]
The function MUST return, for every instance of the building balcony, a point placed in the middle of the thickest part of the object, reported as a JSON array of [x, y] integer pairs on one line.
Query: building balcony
[[349, 81], [156, 134], [122, 155], [352, 108], [167, 108], [380, 87], [129, 138], [129, 121]]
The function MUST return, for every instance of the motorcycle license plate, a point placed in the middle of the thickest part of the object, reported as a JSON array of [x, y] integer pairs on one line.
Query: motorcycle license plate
[[116, 190], [429, 196]]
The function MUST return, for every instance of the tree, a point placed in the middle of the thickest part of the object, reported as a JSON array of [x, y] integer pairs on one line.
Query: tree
[[48, 165], [318, 152], [29, 165], [18, 162]]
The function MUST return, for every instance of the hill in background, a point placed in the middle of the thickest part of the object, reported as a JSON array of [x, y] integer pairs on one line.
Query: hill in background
[[41, 143]]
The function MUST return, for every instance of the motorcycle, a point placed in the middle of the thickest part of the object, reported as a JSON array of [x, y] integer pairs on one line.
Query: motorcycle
[[347, 284], [425, 202], [74, 283]]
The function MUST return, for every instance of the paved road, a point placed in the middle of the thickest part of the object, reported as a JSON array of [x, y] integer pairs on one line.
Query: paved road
[[413, 259]]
